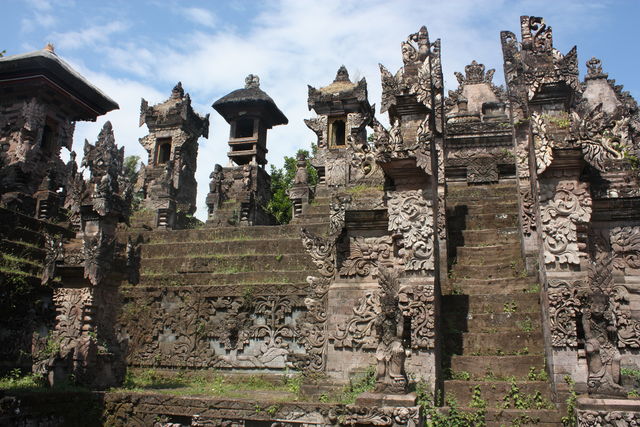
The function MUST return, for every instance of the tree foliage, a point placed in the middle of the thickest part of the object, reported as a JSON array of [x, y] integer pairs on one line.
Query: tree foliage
[[2, 52], [131, 169], [280, 204]]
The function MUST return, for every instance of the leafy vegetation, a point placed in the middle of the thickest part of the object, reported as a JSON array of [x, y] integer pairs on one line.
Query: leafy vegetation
[[570, 420], [280, 204], [131, 168], [207, 383], [451, 416]]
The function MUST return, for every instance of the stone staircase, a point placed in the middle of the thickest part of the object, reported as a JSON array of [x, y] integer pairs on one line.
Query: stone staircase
[[494, 347], [24, 302], [226, 256]]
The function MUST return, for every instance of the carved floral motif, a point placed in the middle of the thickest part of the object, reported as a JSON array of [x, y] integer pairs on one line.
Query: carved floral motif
[[564, 310], [417, 303], [411, 221], [563, 206], [365, 254]]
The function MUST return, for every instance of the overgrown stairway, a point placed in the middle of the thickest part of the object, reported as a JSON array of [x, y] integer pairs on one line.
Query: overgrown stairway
[[494, 348], [25, 303], [227, 256]]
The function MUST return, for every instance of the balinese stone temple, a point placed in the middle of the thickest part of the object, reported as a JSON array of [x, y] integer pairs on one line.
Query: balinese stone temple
[[475, 262]]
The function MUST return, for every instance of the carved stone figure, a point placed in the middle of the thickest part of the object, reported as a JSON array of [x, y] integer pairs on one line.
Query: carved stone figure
[[390, 353], [603, 357]]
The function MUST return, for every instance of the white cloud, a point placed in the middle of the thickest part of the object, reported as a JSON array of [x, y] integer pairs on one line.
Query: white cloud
[[200, 16], [293, 43], [88, 37]]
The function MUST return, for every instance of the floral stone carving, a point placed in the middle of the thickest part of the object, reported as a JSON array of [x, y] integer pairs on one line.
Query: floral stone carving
[[411, 221], [562, 207]]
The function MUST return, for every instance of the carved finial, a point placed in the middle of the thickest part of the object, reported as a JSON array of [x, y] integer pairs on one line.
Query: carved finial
[[536, 35], [252, 81], [178, 91], [474, 72], [342, 75], [594, 69], [50, 48]]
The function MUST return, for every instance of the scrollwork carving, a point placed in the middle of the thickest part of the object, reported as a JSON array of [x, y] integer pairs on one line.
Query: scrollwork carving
[[563, 206], [322, 252], [365, 254], [411, 221], [417, 303], [564, 309]]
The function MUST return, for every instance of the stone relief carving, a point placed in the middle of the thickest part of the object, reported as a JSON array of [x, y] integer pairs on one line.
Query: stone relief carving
[[390, 352], [565, 303], [54, 253], [482, 169], [563, 205], [417, 303], [542, 144], [319, 126], [527, 212], [411, 224], [603, 357], [600, 136], [607, 418], [360, 330], [381, 416], [322, 252], [625, 243], [366, 254], [311, 327]]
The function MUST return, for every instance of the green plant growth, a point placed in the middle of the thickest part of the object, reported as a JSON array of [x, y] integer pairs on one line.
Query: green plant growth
[[359, 384], [516, 400], [130, 169], [280, 204], [451, 416], [570, 420]]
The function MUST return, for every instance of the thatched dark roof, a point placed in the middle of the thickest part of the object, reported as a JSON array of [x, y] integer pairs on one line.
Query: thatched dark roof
[[250, 96], [46, 64]]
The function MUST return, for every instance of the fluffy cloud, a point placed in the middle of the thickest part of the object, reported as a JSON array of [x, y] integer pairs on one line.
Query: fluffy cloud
[[90, 36], [289, 44], [200, 16]]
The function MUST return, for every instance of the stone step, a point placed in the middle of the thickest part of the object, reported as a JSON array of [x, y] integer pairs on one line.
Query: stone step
[[470, 207], [318, 209], [491, 303], [22, 249], [227, 263], [500, 286], [231, 233], [215, 279], [307, 218], [495, 343], [507, 192], [493, 392], [25, 265], [490, 237], [501, 366], [223, 247], [11, 220], [489, 252], [491, 220], [503, 270], [493, 322], [523, 417]]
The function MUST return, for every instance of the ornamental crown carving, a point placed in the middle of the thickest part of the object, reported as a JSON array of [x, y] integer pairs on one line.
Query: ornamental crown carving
[[474, 74], [252, 81], [594, 69]]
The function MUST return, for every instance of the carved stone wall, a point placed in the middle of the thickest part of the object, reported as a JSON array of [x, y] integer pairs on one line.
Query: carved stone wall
[[168, 179]]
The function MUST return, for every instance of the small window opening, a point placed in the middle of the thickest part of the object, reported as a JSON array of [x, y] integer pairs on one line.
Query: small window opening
[[338, 133], [47, 141], [244, 128], [164, 152]]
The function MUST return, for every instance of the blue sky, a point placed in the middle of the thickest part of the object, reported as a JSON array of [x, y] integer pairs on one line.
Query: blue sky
[[142, 48]]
